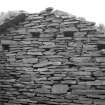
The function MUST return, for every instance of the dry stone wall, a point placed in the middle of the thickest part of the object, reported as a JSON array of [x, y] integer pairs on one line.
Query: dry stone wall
[[52, 58]]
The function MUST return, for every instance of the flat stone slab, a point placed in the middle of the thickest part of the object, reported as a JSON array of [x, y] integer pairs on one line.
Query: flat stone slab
[[46, 63], [88, 92], [30, 60], [34, 53], [59, 89]]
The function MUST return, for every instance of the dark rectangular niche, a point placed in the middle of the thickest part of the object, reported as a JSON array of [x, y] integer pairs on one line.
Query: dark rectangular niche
[[68, 33], [35, 34], [47, 49], [72, 65], [101, 46], [5, 47]]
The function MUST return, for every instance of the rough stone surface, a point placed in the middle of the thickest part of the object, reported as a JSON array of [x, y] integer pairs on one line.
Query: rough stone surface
[[51, 58]]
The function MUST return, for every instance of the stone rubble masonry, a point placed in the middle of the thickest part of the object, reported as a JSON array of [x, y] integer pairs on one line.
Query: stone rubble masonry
[[51, 58]]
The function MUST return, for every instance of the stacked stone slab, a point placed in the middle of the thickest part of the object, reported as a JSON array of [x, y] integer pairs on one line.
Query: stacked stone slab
[[51, 58]]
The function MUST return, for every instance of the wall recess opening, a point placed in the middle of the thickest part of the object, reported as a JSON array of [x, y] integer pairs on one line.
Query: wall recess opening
[[101, 46], [6, 47], [72, 65], [35, 34], [68, 33], [47, 49]]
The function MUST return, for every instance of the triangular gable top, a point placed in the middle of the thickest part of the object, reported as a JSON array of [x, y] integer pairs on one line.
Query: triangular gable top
[[14, 20]]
